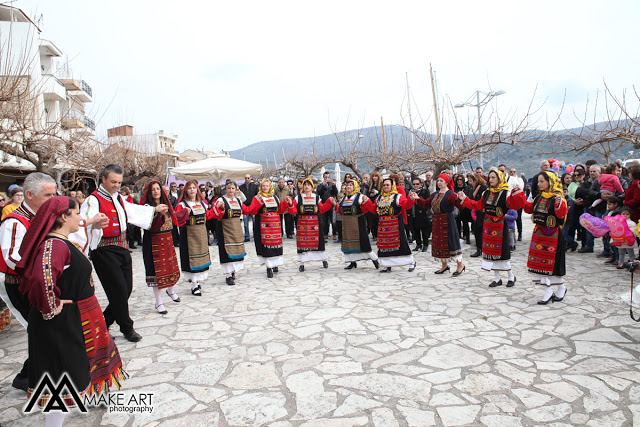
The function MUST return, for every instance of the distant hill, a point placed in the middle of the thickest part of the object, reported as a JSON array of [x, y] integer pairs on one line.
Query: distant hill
[[526, 159]]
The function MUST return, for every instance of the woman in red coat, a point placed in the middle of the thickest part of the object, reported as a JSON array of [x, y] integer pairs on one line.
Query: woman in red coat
[[632, 195]]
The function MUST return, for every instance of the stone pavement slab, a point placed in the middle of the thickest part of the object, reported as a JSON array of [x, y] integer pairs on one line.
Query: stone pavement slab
[[330, 347]]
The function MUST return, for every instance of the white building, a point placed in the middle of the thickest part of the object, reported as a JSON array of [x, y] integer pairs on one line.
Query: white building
[[151, 144], [60, 97]]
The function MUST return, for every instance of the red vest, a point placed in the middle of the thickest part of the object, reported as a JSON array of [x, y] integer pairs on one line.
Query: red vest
[[24, 221], [107, 207]]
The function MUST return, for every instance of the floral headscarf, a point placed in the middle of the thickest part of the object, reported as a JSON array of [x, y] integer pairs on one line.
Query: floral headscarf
[[356, 188], [502, 181], [271, 188], [394, 189], [555, 186]]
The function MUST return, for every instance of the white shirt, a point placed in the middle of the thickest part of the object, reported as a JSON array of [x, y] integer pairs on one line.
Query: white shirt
[[11, 234], [512, 181], [88, 237]]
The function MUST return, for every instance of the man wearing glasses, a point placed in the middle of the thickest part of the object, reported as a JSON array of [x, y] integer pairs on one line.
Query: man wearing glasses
[[421, 218], [512, 180], [249, 189]]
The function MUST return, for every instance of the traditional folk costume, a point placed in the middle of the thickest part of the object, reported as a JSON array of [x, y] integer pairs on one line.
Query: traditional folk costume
[[267, 228], [355, 239], [445, 241], [230, 235], [12, 232], [194, 243], [309, 238], [496, 246], [160, 261], [547, 250], [110, 251], [76, 341], [393, 246]]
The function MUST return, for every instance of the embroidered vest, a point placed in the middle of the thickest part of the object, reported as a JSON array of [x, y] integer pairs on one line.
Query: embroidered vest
[[232, 208], [3, 265], [495, 204], [307, 205], [351, 207], [107, 207], [198, 214], [270, 205], [388, 205], [544, 213]]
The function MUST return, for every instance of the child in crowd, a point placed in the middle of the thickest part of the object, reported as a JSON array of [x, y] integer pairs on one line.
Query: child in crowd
[[614, 206], [610, 184], [512, 216], [624, 249]]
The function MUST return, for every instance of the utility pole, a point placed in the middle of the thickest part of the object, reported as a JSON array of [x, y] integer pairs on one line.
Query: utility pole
[[409, 109], [435, 103], [384, 143]]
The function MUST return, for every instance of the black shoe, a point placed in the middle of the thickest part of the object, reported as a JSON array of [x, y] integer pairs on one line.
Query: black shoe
[[275, 269], [269, 273], [603, 255], [410, 240], [424, 248], [289, 237], [417, 248], [511, 283], [412, 267], [133, 247], [350, 266], [132, 336], [246, 240], [476, 255], [176, 299], [21, 382], [457, 273], [574, 247], [386, 270], [494, 284], [161, 311], [301, 268], [468, 241], [513, 248], [230, 281], [519, 237], [376, 264], [196, 291], [556, 299], [442, 271], [545, 302], [585, 250], [325, 264]]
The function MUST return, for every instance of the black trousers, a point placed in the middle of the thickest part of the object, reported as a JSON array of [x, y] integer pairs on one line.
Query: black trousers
[[175, 236], [422, 234], [463, 227], [409, 228], [339, 225], [477, 229], [519, 221], [286, 223], [113, 266], [328, 219], [21, 303]]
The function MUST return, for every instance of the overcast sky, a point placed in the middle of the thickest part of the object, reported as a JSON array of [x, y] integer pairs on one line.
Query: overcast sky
[[223, 75]]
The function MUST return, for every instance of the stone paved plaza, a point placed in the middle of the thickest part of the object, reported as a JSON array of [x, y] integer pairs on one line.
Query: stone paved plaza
[[354, 348]]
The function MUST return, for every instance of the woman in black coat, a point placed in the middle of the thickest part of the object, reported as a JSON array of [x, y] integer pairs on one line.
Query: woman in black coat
[[463, 220], [479, 186]]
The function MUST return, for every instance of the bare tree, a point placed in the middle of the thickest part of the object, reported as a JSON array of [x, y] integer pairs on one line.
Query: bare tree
[[303, 163]]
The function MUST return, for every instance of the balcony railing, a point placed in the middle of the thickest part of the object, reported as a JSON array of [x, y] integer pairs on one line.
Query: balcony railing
[[73, 114], [90, 123], [87, 88]]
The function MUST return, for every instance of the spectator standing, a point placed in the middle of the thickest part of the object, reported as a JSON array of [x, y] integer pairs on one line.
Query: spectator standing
[[249, 189]]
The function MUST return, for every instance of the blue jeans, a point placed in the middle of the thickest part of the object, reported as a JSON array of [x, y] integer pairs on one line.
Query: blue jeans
[[247, 235], [589, 238], [569, 230]]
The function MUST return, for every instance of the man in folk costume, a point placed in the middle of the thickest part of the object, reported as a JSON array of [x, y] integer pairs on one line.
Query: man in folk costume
[[496, 247], [38, 188], [355, 239], [109, 247], [309, 235], [547, 250]]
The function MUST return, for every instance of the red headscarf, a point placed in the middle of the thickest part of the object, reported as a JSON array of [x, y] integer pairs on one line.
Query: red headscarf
[[38, 229], [446, 179], [146, 195], [184, 192]]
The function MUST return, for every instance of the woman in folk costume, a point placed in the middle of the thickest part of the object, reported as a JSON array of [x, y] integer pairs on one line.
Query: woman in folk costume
[[230, 233], [160, 261], [546, 252], [496, 246], [67, 332], [309, 239], [393, 247], [355, 240], [267, 230], [445, 243], [194, 239]]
